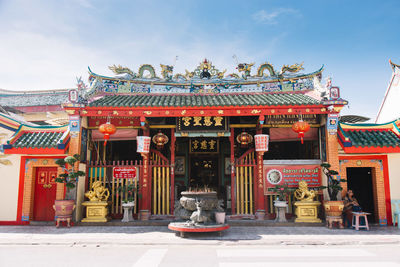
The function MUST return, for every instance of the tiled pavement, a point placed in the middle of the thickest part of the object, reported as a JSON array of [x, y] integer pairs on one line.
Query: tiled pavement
[[160, 235]]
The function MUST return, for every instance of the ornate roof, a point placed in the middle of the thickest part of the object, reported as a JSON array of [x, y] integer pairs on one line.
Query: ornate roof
[[34, 139], [353, 118], [33, 98], [204, 79], [207, 100], [370, 138], [38, 140]]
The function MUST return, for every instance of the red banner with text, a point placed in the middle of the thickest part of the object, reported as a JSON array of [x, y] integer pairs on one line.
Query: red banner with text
[[291, 175], [124, 173]]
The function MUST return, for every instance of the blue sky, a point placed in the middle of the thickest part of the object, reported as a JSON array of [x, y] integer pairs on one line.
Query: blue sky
[[46, 44]]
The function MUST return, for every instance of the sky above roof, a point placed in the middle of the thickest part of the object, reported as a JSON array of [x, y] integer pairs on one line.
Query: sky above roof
[[46, 44]]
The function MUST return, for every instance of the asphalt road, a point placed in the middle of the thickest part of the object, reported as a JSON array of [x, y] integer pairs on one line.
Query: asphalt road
[[199, 255]]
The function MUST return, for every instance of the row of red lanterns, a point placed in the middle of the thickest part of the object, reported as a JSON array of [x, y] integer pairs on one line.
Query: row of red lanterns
[[244, 139]]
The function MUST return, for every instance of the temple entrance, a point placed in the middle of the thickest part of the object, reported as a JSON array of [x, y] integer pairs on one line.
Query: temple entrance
[[204, 172], [360, 181]]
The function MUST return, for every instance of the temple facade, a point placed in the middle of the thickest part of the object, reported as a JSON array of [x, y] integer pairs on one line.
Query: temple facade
[[202, 127]]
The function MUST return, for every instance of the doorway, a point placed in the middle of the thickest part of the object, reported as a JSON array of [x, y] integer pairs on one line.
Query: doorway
[[45, 193], [204, 171], [360, 181]]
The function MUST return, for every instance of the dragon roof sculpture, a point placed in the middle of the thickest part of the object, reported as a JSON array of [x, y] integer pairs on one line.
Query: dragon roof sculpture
[[205, 78]]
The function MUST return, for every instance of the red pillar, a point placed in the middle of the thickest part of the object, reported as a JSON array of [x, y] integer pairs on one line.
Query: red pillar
[[173, 139], [145, 186], [233, 197], [260, 204]]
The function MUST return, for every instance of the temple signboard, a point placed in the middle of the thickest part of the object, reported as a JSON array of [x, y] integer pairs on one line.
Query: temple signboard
[[124, 173], [203, 145], [202, 124], [291, 175], [277, 120]]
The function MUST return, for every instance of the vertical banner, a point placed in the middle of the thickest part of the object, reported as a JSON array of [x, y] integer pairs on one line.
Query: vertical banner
[[332, 123]]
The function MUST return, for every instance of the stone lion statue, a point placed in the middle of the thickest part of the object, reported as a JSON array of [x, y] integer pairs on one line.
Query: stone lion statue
[[98, 192], [303, 194]]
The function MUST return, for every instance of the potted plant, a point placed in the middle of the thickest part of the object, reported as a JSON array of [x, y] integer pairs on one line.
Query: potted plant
[[130, 192], [280, 203], [333, 207], [64, 208]]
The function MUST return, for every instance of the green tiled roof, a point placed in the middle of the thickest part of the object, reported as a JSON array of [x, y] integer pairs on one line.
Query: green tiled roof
[[373, 138], [38, 140], [155, 100]]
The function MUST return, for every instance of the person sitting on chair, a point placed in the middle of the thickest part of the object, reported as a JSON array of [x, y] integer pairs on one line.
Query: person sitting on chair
[[350, 205]]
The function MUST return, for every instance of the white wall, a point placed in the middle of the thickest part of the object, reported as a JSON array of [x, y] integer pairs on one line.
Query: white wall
[[9, 180], [394, 175], [389, 110]]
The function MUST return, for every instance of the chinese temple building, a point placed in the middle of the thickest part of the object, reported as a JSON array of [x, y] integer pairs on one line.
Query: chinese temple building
[[202, 126]]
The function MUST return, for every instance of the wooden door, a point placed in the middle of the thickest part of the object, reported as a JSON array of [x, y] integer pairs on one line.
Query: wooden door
[[45, 193]]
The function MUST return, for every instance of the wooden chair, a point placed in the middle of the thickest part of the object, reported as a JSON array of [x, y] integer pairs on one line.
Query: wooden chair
[[396, 212]]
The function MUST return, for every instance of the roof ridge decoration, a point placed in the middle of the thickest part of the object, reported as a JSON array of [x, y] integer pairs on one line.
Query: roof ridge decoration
[[205, 78], [394, 66]]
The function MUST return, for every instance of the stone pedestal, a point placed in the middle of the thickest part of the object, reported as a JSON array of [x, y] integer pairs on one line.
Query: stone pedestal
[[96, 211], [280, 210], [128, 207], [307, 211]]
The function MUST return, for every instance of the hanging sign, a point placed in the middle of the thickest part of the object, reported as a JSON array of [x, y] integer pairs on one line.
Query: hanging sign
[[276, 120], [291, 175], [74, 123], [332, 123], [203, 145], [124, 173], [207, 123]]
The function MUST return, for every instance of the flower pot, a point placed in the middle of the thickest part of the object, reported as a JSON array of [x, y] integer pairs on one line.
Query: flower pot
[[64, 207], [220, 217], [333, 208], [63, 211]]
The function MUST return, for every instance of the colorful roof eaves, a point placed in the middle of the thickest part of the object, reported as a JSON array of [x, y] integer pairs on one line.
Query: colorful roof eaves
[[126, 81], [160, 81], [370, 138], [43, 139]]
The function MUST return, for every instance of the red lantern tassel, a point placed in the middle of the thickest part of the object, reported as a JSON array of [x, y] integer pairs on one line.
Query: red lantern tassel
[[106, 137], [301, 135]]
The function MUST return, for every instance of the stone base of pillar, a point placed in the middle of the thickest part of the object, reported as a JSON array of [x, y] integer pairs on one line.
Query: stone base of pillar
[[144, 215], [260, 215]]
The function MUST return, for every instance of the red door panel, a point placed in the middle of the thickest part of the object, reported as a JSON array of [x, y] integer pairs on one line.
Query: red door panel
[[45, 193]]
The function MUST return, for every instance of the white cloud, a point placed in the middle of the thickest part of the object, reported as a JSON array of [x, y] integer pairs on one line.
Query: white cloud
[[271, 17]]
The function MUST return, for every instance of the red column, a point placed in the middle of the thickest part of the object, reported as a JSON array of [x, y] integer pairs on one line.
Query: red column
[[260, 204], [233, 197], [173, 139], [145, 186]]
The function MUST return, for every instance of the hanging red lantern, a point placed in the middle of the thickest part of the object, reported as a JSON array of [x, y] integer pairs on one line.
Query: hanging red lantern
[[160, 140], [107, 129], [301, 127], [244, 139]]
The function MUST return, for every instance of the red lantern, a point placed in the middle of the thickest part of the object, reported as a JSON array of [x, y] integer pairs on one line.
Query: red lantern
[[301, 127], [244, 139], [107, 129], [160, 140]]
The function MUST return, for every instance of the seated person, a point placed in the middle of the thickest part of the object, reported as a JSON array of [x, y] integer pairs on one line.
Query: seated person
[[350, 205]]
